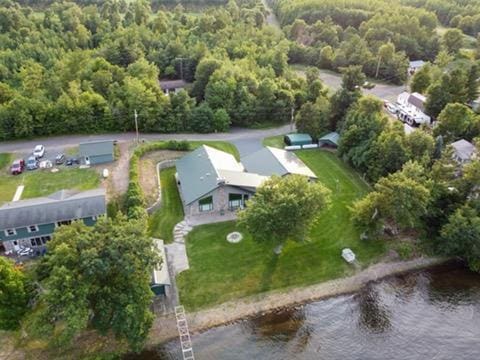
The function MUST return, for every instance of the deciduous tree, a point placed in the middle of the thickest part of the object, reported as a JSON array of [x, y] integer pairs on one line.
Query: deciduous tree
[[284, 208]]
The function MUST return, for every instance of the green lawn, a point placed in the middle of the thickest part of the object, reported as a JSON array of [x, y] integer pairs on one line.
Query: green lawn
[[41, 183], [170, 213], [162, 221], [5, 160], [220, 271], [274, 141], [219, 145]]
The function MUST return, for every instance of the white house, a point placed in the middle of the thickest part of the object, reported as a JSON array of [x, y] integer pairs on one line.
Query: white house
[[411, 108]]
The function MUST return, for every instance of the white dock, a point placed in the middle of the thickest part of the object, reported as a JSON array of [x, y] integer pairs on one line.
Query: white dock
[[184, 334]]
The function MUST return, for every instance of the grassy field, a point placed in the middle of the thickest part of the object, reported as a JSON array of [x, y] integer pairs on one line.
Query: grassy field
[[274, 141], [220, 271], [219, 145], [163, 221], [41, 183], [5, 160]]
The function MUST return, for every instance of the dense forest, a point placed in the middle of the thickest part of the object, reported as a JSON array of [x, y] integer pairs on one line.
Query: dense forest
[[379, 35], [74, 68], [462, 14]]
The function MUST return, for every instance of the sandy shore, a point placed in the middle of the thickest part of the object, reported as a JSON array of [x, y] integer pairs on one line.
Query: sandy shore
[[164, 328]]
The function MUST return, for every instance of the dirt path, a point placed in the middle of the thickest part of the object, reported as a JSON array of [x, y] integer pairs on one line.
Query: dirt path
[[164, 328], [119, 171]]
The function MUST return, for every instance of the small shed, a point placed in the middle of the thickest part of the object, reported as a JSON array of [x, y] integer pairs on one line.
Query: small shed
[[172, 86], [330, 140], [297, 139], [160, 275], [463, 151], [97, 152]]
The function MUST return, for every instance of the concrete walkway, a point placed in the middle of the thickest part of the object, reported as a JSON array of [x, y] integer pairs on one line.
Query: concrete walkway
[[177, 251]]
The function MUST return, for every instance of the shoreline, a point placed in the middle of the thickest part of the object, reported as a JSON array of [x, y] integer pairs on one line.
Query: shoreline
[[164, 328]]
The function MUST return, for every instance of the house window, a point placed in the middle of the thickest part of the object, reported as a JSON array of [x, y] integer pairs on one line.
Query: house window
[[206, 204], [66, 222], [39, 241], [10, 232], [236, 201], [32, 228]]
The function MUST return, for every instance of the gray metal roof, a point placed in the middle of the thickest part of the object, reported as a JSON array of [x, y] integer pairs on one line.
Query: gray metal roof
[[416, 64], [333, 137], [198, 171], [271, 161], [242, 179], [172, 84], [62, 205], [417, 100], [160, 275], [95, 148], [464, 149]]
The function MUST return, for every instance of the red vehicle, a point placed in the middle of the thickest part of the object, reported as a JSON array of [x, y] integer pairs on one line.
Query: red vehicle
[[17, 167]]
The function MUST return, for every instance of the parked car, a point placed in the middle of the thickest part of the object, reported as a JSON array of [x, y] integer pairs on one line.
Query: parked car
[[72, 161], [39, 151], [45, 164], [59, 159], [17, 167], [391, 108], [32, 163]]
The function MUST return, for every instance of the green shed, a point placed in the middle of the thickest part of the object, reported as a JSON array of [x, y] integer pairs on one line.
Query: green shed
[[97, 152], [298, 139], [331, 140]]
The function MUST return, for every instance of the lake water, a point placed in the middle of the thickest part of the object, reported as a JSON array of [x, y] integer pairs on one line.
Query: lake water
[[431, 314]]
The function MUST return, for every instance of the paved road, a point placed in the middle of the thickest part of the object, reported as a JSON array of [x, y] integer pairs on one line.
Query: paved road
[[383, 91], [271, 17], [249, 139]]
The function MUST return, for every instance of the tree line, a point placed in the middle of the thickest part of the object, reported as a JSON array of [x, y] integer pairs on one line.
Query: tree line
[[461, 14]]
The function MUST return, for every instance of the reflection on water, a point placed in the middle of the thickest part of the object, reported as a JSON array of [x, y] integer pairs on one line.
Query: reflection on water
[[431, 314]]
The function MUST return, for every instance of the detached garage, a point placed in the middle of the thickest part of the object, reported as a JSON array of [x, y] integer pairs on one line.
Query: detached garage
[[97, 152], [297, 139]]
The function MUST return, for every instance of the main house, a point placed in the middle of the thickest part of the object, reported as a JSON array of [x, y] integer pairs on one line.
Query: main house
[[213, 181], [29, 224]]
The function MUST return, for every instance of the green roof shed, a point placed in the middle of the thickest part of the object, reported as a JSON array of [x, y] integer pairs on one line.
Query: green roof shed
[[331, 139], [297, 139]]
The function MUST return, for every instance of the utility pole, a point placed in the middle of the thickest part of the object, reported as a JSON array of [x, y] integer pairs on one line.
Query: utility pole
[[378, 66], [136, 125], [292, 119]]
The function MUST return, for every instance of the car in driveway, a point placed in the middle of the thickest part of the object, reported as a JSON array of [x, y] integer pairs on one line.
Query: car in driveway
[[32, 163], [59, 159], [17, 167], [391, 108], [72, 161], [39, 151]]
